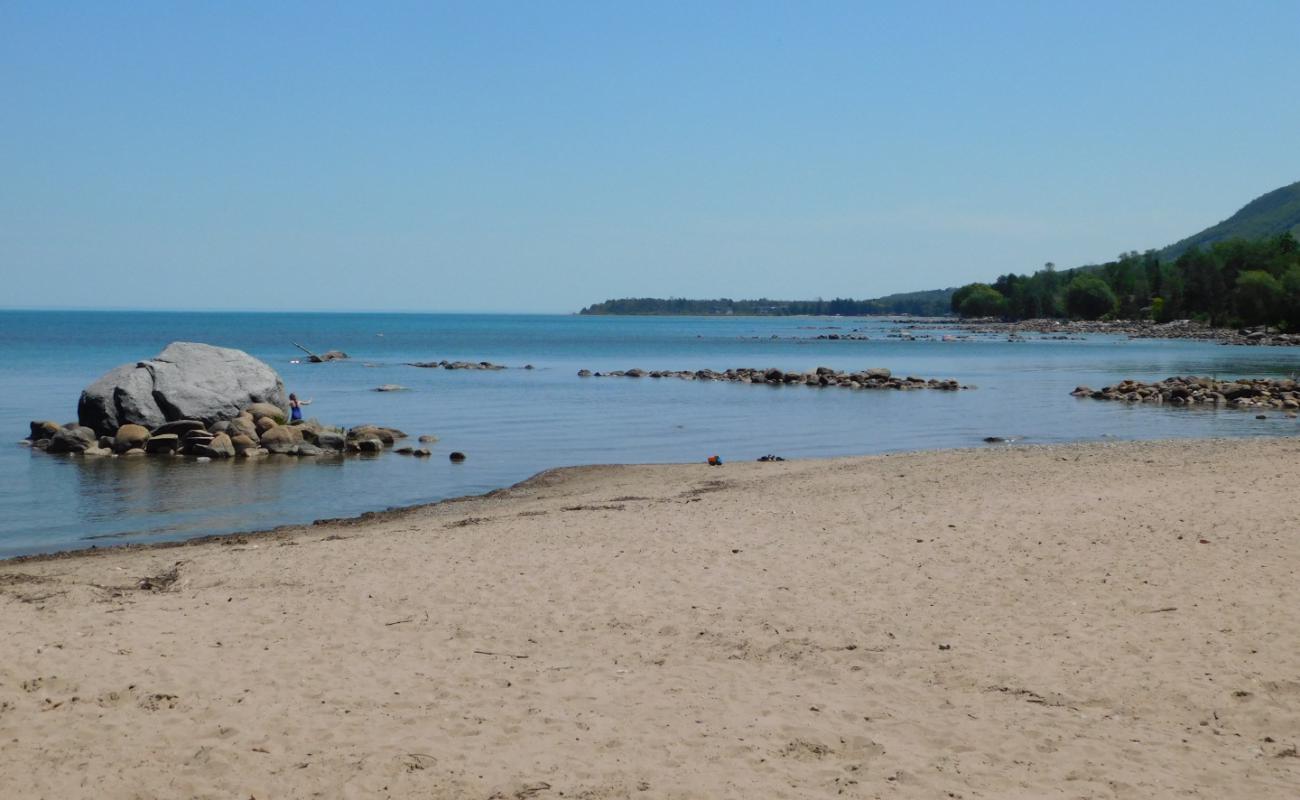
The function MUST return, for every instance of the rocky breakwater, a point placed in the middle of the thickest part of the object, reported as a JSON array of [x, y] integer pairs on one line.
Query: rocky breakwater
[[874, 378], [201, 401], [1243, 393], [445, 364]]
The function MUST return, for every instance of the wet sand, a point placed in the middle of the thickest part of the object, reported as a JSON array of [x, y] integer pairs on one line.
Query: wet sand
[[1107, 620]]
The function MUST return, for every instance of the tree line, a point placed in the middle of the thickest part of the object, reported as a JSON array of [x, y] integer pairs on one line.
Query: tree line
[[927, 303], [1231, 282]]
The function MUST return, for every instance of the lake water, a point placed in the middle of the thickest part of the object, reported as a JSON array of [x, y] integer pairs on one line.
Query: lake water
[[516, 422]]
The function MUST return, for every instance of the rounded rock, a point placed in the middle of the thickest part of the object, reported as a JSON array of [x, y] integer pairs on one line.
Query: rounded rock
[[130, 437]]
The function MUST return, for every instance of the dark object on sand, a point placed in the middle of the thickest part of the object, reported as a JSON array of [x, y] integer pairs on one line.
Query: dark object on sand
[[715, 461], [457, 455], [770, 457]]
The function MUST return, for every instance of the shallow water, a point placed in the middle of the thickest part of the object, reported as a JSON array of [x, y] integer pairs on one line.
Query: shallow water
[[516, 422]]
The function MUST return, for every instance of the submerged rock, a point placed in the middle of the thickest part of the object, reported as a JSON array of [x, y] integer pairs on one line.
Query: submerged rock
[[329, 355], [44, 429], [366, 445], [386, 435], [72, 440], [130, 436], [163, 443], [331, 440]]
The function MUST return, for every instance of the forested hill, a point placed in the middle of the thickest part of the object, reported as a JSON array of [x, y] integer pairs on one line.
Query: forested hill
[[1268, 215], [1198, 276], [934, 302], [1243, 271]]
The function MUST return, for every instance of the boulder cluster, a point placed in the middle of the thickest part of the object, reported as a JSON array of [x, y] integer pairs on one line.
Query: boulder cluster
[[1245, 393], [201, 401], [258, 430], [874, 378]]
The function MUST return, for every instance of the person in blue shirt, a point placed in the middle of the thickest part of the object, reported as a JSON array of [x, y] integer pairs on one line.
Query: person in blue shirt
[[295, 408]]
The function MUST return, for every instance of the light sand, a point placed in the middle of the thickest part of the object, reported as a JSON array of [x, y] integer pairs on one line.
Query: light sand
[[1025, 622]]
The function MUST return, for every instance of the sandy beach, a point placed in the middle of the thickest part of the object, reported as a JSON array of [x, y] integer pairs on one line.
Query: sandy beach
[[1104, 620]]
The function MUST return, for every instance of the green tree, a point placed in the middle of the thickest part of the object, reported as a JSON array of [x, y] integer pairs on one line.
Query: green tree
[[1259, 297], [1089, 297], [1291, 298], [1205, 290], [979, 300]]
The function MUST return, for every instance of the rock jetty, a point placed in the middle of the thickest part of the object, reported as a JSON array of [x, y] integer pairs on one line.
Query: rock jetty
[[873, 378], [445, 364], [1244, 393]]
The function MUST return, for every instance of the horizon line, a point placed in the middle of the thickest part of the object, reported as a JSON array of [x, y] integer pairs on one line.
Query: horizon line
[[132, 310]]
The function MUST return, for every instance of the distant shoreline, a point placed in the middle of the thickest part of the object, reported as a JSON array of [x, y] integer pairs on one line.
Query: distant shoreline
[[1133, 328], [1136, 329]]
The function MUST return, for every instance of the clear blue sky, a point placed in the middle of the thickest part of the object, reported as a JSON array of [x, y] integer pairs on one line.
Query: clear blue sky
[[541, 156]]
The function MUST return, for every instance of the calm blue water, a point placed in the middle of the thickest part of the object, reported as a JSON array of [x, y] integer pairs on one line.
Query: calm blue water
[[514, 423]]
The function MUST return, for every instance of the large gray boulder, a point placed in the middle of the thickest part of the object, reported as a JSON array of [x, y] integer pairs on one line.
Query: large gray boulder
[[186, 381]]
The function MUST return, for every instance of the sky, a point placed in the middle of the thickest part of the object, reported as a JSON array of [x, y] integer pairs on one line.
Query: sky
[[539, 157]]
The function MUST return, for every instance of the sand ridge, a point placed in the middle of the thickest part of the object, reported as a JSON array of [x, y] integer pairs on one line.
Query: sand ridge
[[1106, 620]]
